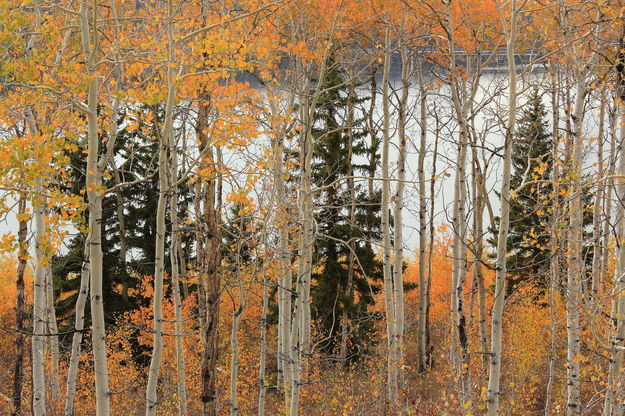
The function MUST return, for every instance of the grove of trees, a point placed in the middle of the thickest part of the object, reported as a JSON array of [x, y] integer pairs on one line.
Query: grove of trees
[[312, 207]]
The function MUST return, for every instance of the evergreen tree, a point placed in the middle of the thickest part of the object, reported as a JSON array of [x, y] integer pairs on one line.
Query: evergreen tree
[[136, 152], [528, 237], [332, 164]]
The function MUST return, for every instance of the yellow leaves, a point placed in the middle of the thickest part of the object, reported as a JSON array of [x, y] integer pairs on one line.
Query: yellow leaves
[[23, 217]]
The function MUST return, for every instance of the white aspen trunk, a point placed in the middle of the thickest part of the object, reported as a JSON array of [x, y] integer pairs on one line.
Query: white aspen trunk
[[458, 329], [300, 319], [389, 301], [597, 273], [575, 258], [554, 261], [237, 315], [263, 341], [478, 274], [79, 325], [174, 253], [398, 248], [617, 347], [94, 195], [423, 261], [284, 278], [53, 337], [39, 311], [493, 392], [159, 267], [607, 209]]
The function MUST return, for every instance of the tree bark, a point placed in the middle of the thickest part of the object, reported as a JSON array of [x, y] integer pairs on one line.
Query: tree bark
[[166, 138], [18, 366], [493, 392], [94, 195], [174, 254], [575, 256], [39, 310], [79, 324], [389, 298], [423, 260]]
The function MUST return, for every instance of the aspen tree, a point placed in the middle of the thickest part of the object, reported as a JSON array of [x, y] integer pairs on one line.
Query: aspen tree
[[262, 362], [165, 140], [459, 338], [301, 321], [597, 272], [79, 325], [423, 260], [39, 313], [52, 331], [494, 376], [398, 242], [612, 407], [554, 261], [89, 41], [389, 298], [575, 256], [176, 270]]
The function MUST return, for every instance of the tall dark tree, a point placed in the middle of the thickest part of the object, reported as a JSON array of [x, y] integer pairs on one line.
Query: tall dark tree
[[528, 237], [338, 292], [128, 217]]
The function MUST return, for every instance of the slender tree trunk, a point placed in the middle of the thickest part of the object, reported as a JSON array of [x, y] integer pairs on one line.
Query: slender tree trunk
[[52, 331], [554, 261], [300, 332], [597, 273], [18, 366], [345, 319], [423, 260], [79, 324], [494, 377], [398, 244], [575, 257], [174, 254], [39, 311], [166, 138], [612, 406], [94, 195], [478, 272], [237, 315], [284, 279], [263, 342], [389, 301]]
